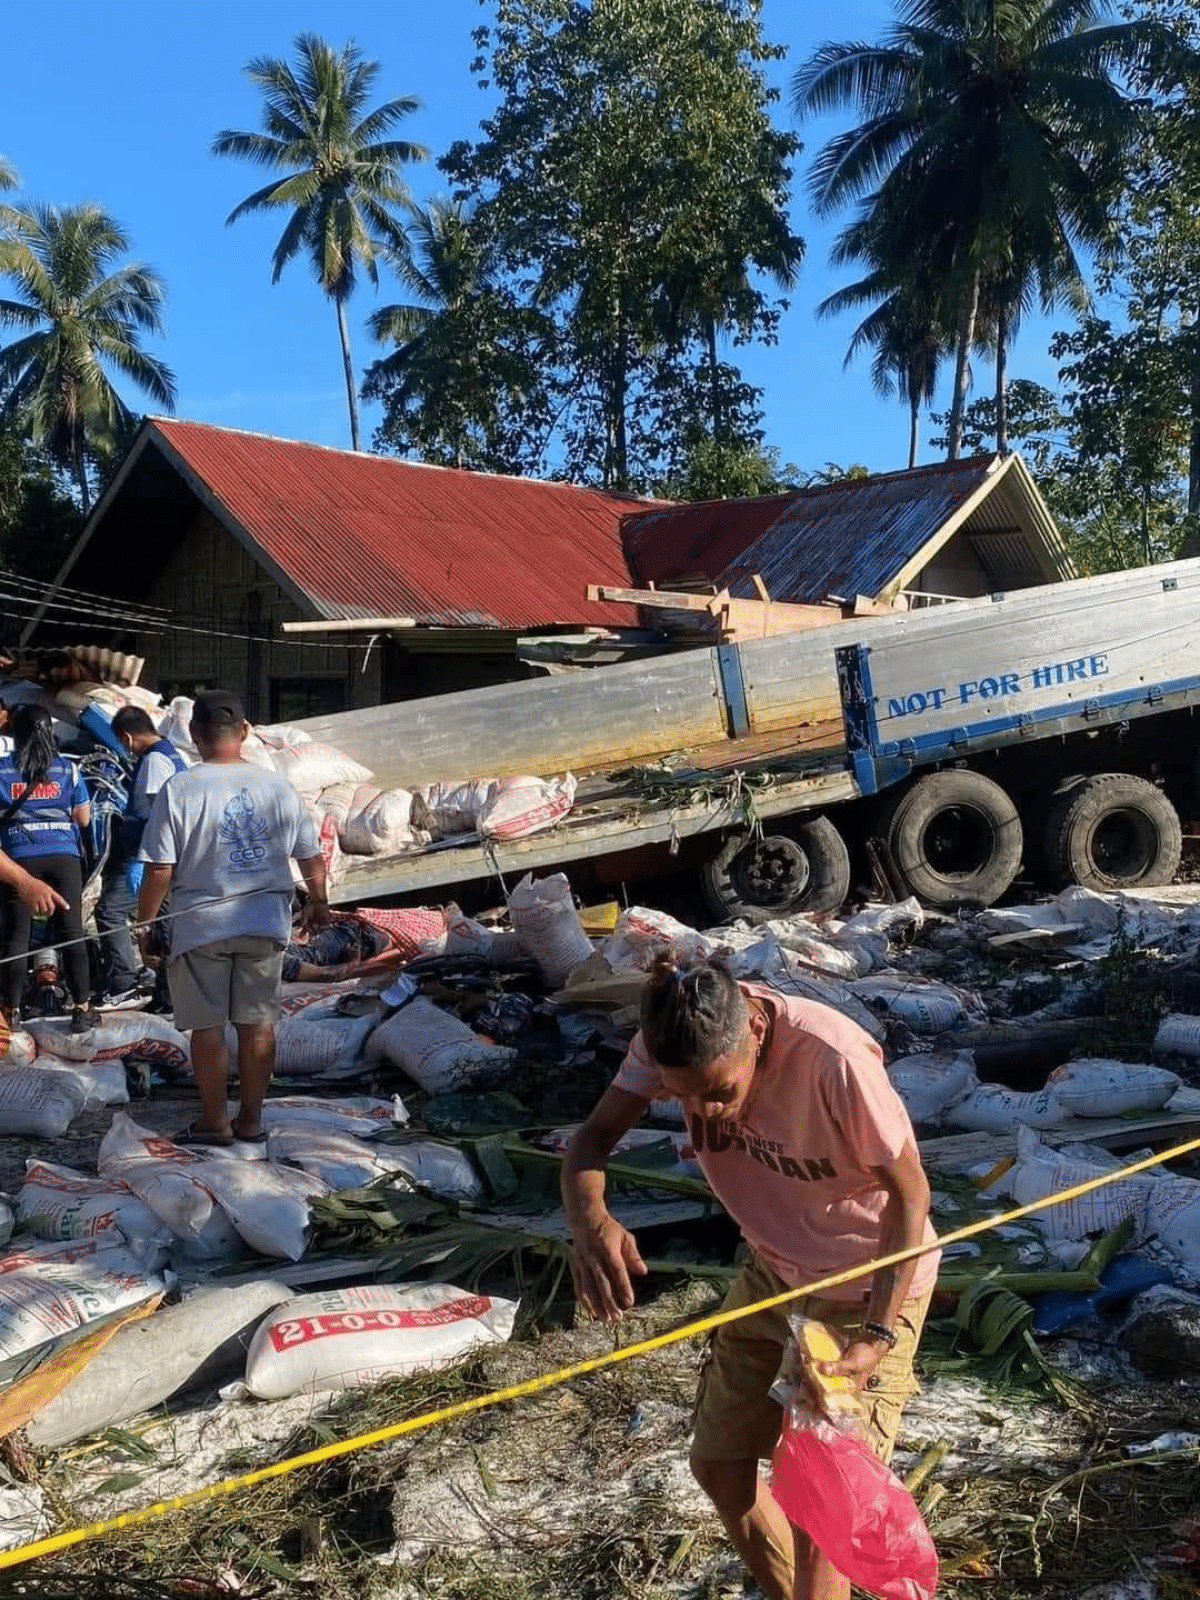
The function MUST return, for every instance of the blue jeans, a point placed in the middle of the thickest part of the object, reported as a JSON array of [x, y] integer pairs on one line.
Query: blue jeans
[[114, 911]]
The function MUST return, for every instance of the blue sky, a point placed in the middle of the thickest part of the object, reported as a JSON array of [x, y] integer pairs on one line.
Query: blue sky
[[126, 116]]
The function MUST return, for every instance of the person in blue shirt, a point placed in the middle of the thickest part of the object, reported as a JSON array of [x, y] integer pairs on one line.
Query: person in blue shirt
[[43, 806], [155, 761]]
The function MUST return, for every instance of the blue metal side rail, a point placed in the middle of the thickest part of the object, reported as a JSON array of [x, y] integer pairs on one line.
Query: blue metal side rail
[[877, 763]]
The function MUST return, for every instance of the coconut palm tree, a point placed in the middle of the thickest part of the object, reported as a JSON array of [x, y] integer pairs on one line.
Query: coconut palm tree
[[461, 344], [80, 311], [907, 341], [340, 176], [996, 129]]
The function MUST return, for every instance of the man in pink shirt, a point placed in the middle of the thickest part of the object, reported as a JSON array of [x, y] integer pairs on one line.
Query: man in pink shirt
[[811, 1151]]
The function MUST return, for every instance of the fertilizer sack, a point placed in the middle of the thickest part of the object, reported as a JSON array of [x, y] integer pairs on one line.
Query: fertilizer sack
[[991, 1108], [926, 1007], [642, 935], [443, 1169], [360, 1115], [931, 1084], [1040, 1172], [445, 810], [39, 1103], [348, 1338], [120, 1036], [518, 807], [103, 1082], [437, 1051], [267, 1203], [59, 1203], [1173, 1216], [165, 1175], [311, 767], [44, 1296], [318, 1042], [339, 1159], [383, 827], [1094, 1087], [546, 922]]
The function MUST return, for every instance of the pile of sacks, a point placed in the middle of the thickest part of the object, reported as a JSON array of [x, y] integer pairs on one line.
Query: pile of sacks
[[941, 1089], [1165, 1209]]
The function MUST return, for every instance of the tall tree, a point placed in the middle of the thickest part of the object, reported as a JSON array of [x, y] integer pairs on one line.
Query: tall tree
[[626, 132], [998, 130], [341, 176], [80, 311], [466, 354]]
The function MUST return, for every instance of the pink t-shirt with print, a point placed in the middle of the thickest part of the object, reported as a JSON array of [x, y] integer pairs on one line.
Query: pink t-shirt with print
[[794, 1171]]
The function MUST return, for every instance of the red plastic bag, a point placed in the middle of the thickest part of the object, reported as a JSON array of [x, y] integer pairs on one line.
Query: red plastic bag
[[855, 1510]]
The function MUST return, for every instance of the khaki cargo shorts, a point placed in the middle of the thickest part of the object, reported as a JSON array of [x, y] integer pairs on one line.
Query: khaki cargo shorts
[[736, 1420], [235, 980]]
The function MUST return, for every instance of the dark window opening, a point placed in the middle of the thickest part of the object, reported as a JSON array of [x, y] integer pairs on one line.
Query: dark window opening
[[293, 699]]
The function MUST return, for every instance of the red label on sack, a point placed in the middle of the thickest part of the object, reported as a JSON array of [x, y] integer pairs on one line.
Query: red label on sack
[[303, 1330]]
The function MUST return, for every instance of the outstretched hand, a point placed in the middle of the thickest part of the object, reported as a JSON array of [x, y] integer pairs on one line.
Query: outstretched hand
[[604, 1263]]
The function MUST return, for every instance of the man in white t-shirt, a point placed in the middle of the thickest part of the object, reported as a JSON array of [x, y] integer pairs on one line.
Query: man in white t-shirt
[[221, 839]]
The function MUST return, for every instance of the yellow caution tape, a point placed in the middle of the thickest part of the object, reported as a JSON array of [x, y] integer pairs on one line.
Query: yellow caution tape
[[550, 1380]]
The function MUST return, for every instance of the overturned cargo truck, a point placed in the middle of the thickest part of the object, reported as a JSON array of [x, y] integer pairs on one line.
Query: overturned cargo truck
[[1049, 729]]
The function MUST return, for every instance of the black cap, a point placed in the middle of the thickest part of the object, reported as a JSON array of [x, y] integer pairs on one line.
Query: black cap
[[217, 708]]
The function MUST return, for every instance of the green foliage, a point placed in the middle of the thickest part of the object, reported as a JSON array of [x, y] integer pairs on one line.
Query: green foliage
[[80, 313], [38, 521], [633, 188], [341, 171], [717, 469], [990, 154], [467, 357]]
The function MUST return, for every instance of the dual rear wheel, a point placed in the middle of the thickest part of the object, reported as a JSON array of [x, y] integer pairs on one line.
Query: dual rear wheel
[[956, 840]]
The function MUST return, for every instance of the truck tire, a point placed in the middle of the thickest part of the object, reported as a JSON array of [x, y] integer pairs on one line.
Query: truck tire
[[1113, 831], [755, 880], [955, 838]]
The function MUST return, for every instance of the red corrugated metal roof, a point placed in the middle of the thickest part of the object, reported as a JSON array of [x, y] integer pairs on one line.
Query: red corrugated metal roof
[[364, 535], [670, 543], [845, 538]]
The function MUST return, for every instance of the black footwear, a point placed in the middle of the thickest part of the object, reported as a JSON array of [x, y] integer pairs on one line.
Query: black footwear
[[83, 1021]]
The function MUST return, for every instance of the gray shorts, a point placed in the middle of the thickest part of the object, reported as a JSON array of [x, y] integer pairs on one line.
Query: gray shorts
[[235, 980]]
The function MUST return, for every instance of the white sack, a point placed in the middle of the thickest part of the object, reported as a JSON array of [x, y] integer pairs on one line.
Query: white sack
[[317, 1042], [7, 1223], [991, 1108], [22, 1049], [642, 935], [925, 1007], [548, 926], [160, 1172], [347, 1338], [518, 807], [103, 1081], [447, 809], [383, 827], [930, 1084], [39, 1103], [1173, 1215], [1095, 1087], [1040, 1171], [311, 767], [438, 1051], [60, 1203], [1180, 1034], [338, 1159], [360, 1115], [44, 1296], [443, 1169], [267, 1203], [279, 735], [120, 1035]]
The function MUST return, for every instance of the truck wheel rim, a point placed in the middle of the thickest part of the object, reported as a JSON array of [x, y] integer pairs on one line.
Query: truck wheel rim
[[1123, 843], [770, 872], [959, 842]]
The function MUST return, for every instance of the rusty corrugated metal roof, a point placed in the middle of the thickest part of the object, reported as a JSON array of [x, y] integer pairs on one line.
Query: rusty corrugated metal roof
[[362, 535], [843, 539]]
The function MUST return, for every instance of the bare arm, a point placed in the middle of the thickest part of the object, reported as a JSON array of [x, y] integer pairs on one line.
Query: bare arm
[[904, 1219], [156, 881], [81, 815], [605, 1256], [316, 906]]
